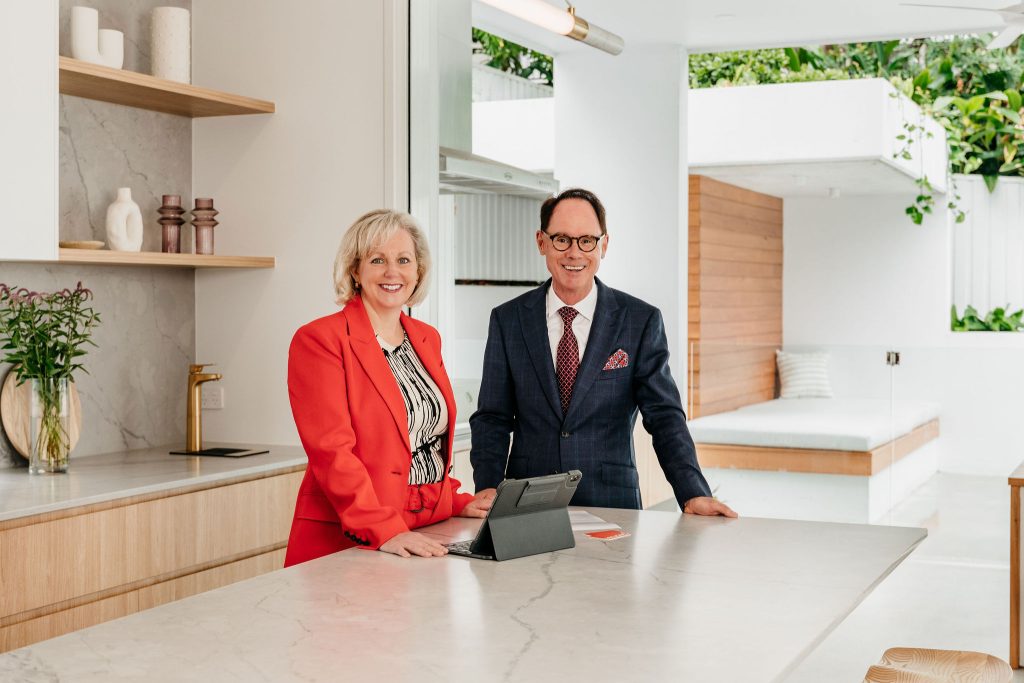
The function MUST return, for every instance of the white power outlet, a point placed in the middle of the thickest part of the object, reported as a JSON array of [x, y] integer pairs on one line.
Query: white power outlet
[[213, 397]]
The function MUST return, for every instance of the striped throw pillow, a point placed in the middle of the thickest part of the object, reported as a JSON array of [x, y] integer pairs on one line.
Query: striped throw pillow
[[803, 375]]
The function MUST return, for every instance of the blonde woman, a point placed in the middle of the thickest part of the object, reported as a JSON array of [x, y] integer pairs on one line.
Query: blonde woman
[[373, 405]]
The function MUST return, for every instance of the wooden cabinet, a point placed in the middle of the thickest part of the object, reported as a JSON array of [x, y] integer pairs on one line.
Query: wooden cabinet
[[76, 568]]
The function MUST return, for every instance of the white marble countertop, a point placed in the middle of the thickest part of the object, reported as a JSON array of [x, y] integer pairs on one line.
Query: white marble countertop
[[111, 476], [682, 599]]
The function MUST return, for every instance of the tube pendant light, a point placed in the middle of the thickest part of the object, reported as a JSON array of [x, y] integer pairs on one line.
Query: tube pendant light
[[549, 17]]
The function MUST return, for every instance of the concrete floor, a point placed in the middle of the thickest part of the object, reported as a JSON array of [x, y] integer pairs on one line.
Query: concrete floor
[[952, 592]]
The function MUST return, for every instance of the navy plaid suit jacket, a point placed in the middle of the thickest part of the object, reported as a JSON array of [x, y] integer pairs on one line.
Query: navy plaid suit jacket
[[519, 397]]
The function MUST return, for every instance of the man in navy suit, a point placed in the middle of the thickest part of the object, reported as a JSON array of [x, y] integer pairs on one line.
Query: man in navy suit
[[566, 369]]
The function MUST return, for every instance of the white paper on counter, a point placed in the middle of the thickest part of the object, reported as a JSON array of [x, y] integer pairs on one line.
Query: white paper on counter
[[582, 520]]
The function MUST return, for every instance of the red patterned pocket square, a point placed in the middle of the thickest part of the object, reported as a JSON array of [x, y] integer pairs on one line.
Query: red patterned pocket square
[[619, 359]]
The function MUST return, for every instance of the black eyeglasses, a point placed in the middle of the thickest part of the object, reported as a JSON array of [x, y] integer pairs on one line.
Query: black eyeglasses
[[584, 242]]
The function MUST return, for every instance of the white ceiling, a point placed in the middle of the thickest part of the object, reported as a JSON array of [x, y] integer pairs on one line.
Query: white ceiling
[[716, 25]]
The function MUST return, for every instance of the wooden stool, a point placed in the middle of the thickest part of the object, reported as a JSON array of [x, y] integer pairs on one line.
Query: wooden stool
[[938, 666], [887, 674]]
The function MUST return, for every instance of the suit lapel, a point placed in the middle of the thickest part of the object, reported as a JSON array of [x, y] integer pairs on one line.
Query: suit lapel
[[370, 355], [603, 333], [535, 334], [431, 359]]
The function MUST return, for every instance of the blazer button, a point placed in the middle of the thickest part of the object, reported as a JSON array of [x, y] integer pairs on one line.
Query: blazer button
[[566, 435]]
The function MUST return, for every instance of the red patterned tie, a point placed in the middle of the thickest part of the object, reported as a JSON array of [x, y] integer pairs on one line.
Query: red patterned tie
[[568, 356]]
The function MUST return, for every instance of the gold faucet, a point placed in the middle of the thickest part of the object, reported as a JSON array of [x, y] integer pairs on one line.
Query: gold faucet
[[194, 418]]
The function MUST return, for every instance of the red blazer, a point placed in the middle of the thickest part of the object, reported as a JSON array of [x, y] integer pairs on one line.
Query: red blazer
[[352, 422]]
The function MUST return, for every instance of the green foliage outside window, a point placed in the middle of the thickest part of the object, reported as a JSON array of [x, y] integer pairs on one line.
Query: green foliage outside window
[[974, 93], [513, 58], [997, 320]]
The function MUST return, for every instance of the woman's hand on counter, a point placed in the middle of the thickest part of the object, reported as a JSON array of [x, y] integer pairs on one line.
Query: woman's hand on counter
[[480, 504], [412, 543]]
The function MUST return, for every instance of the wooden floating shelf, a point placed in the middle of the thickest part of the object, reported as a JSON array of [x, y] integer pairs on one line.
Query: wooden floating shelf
[[102, 257], [133, 89]]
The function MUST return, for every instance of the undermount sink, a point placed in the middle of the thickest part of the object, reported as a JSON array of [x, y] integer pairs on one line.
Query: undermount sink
[[224, 452]]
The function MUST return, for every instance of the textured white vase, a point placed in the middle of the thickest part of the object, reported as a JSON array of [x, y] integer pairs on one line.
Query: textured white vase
[[91, 44], [171, 44], [124, 222]]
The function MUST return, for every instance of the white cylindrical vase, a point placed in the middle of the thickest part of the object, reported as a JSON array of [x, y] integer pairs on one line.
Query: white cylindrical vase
[[85, 28], [171, 44], [90, 43], [124, 222], [111, 48]]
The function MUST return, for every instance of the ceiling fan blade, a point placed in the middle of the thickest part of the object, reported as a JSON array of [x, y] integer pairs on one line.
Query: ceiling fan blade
[[1016, 9], [975, 9], [1006, 37]]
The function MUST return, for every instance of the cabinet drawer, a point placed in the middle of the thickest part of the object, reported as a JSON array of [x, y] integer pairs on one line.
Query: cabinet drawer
[[90, 555]]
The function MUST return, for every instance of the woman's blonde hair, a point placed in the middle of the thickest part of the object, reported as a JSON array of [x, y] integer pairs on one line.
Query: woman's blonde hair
[[369, 232]]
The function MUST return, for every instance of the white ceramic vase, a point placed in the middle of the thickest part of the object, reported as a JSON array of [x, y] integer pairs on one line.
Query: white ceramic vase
[[124, 222], [171, 44], [90, 43]]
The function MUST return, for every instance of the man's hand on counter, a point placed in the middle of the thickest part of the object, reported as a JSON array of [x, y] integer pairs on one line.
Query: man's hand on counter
[[480, 504], [704, 505]]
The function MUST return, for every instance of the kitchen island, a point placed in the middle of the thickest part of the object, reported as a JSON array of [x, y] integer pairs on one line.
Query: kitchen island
[[122, 532], [683, 598]]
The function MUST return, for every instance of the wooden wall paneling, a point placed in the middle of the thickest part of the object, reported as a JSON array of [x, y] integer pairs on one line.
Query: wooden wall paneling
[[724, 299], [715, 188], [740, 254], [708, 235], [724, 208], [739, 224], [759, 385], [713, 267], [724, 405], [719, 283], [735, 280]]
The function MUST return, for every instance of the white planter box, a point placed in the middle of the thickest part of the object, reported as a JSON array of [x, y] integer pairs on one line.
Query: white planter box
[[800, 139]]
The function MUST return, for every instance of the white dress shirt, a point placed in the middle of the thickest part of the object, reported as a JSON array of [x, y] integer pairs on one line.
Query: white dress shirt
[[580, 325]]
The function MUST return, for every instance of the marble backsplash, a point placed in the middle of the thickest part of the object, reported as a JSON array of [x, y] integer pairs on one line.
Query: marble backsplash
[[134, 394]]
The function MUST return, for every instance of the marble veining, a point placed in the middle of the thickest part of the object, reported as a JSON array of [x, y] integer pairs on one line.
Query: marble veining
[[114, 476], [688, 599]]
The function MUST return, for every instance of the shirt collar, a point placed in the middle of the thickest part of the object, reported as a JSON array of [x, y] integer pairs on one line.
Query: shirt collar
[[586, 306]]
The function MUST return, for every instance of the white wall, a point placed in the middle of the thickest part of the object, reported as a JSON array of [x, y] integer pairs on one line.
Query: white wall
[[988, 247], [287, 184], [620, 131], [857, 271], [859, 279], [28, 136], [516, 132]]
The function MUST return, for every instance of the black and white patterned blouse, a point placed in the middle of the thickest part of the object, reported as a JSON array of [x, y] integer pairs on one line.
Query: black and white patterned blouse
[[427, 411]]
